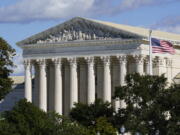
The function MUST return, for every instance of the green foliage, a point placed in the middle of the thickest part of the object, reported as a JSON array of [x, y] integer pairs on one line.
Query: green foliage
[[148, 100], [171, 103], [87, 114], [6, 55], [26, 119], [103, 127], [68, 127]]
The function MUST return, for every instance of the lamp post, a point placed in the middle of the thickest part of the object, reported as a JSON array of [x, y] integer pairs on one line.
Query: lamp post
[[122, 129]]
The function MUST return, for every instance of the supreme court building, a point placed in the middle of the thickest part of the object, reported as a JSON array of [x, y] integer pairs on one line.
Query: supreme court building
[[84, 59]]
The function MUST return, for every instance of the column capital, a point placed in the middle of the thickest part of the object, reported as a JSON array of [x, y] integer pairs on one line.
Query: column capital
[[41, 62], [27, 63], [90, 60], [72, 61], [122, 58], [160, 61], [169, 62], [146, 60], [56, 61], [106, 60], [139, 59]]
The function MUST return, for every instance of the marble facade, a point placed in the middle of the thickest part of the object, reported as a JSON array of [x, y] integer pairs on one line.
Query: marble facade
[[82, 60]]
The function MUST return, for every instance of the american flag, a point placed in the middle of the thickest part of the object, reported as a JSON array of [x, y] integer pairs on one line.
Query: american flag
[[162, 46]]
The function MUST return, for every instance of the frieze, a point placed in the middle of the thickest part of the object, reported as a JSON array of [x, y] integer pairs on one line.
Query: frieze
[[84, 43]]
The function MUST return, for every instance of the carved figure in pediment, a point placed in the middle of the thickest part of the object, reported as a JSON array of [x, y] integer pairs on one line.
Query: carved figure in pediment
[[86, 37], [80, 35], [94, 36], [73, 35]]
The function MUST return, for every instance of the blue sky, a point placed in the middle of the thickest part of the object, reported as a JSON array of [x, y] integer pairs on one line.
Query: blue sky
[[22, 18]]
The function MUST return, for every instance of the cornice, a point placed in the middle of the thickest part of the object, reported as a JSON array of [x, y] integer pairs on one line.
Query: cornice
[[83, 43]]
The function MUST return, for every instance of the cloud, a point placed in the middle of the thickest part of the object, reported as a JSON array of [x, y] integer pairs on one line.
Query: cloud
[[169, 24], [27, 10], [18, 61], [30, 10]]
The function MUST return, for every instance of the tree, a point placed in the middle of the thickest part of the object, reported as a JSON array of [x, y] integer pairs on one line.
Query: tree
[[87, 114], [6, 55], [171, 103], [149, 102], [27, 119], [103, 127]]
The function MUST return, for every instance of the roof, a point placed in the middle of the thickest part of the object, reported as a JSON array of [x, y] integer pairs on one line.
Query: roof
[[141, 31]]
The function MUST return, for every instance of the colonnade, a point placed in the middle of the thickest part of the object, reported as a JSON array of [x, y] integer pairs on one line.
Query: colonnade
[[55, 80]]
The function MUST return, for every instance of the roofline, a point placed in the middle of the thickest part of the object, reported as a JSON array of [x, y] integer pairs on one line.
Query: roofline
[[105, 24]]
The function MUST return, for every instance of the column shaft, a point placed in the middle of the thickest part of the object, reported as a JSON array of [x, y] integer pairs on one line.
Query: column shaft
[[123, 72], [91, 81], [73, 82], [28, 81], [107, 80], [58, 87], [42, 86]]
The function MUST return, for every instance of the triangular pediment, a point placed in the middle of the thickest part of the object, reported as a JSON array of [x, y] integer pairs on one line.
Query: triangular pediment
[[78, 29]]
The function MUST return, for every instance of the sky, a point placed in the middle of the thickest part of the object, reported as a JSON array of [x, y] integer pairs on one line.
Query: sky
[[20, 19]]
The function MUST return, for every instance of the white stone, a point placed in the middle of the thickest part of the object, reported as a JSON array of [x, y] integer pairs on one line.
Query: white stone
[[91, 81], [28, 81], [73, 82], [58, 87], [42, 85]]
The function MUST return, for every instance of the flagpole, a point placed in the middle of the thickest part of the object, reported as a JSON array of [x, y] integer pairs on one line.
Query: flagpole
[[150, 53]]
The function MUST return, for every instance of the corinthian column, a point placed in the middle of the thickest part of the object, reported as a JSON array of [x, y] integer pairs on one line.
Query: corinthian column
[[28, 81], [73, 82], [91, 81], [107, 79], [122, 75], [58, 87], [139, 64], [123, 71], [42, 85]]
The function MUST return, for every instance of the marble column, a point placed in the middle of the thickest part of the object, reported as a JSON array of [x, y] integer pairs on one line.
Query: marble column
[[107, 79], [139, 64], [28, 80], [73, 82], [58, 86], [122, 75], [91, 81], [122, 69], [42, 85]]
